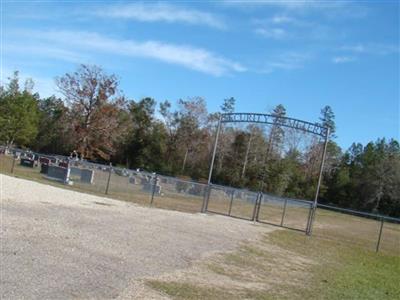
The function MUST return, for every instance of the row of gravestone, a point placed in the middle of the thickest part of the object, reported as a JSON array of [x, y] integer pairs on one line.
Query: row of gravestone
[[54, 168], [77, 170]]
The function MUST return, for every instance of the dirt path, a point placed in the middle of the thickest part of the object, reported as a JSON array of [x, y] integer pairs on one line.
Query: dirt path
[[57, 243]]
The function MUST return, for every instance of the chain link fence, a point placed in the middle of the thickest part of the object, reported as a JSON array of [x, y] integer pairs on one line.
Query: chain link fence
[[376, 232], [372, 231]]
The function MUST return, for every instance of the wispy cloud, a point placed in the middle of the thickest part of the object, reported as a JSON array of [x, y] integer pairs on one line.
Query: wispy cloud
[[47, 51], [330, 8], [197, 59], [160, 12], [286, 61], [286, 25], [283, 19], [274, 33], [343, 59], [373, 48]]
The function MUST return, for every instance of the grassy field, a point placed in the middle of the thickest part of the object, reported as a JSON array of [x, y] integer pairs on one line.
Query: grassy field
[[289, 265]]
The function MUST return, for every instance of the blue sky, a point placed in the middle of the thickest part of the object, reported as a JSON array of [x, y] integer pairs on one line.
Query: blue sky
[[302, 54]]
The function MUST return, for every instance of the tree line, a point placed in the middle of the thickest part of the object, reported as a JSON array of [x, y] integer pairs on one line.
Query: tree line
[[94, 118]]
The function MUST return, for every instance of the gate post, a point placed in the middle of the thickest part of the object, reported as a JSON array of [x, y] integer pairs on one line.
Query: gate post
[[215, 149], [259, 206], [310, 212], [205, 199], [321, 169], [256, 209]]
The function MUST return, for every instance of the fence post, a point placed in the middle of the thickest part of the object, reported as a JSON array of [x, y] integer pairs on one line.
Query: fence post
[[109, 178], [208, 197], [153, 190], [257, 206], [253, 218], [284, 212], [205, 199], [321, 169], [13, 164], [380, 235], [310, 213], [230, 204]]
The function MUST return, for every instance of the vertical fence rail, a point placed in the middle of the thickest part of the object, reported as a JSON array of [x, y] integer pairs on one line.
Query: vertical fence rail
[[13, 164], [380, 235], [205, 198], [231, 202], [153, 190], [284, 212], [258, 206], [108, 179], [310, 212]]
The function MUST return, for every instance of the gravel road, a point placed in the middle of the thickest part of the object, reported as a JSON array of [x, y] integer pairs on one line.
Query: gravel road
[[60, 244]]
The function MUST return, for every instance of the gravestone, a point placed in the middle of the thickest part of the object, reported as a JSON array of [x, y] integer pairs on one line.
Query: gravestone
[[132, 180], [63, 164], [75, 172], [122, 172], [87, 176], [144, 181], [30, 156], [58, 173], [149, 186], [44, 168], [181, 187], [44, 160], [196, 190], [27, 162]]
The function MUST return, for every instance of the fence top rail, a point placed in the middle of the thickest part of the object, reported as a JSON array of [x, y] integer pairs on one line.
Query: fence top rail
[[346, 210], [278, 198], [182, 180], [229, 188]]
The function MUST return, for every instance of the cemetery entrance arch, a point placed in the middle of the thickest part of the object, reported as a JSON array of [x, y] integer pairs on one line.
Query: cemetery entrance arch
[[255, 199]]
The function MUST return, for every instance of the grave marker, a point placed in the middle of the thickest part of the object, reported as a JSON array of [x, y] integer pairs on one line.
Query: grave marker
[[44, 168], [63, 164], [87, 176], [75, 172], [27, 162], [58, 174], [44, 160]]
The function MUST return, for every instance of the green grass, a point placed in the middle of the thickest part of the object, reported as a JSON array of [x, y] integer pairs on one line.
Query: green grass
[[298, 267], [344, 271]]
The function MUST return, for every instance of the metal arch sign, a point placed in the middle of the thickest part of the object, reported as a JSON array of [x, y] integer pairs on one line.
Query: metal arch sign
[[313, 128]]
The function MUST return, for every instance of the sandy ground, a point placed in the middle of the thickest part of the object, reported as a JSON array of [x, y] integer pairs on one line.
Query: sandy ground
[[58, 244]]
